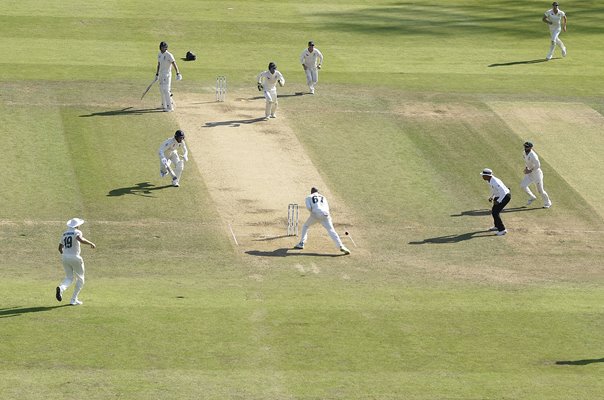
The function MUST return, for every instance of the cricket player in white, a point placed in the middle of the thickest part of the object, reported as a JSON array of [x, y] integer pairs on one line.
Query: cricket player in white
[[533, 174], [267, 82], [73, 264], [165, 62], [168, 155], [317, 204], [311, 59], [556, 19]]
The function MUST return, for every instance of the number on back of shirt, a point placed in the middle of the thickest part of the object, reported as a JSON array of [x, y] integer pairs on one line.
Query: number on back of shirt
[[68, 241], [317, 199]]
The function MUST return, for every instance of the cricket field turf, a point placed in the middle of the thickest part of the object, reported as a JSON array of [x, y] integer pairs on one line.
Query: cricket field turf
[[195, 293]]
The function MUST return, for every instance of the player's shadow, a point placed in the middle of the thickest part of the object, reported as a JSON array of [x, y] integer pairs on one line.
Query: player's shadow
[[124, 111], [285, 252], [537, 61], [581, 362], [296, 94], [16, 311], [233, 123], [271, 238], [456, 238], [144, 189], [485, 211]]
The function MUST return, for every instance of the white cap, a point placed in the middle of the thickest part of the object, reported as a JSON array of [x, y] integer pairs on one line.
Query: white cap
[[75, 222], [486, 172]]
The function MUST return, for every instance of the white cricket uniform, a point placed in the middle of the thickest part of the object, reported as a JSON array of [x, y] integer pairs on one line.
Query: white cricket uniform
[[269, 82], [169, 151], [310, 61], [555, 28], [73, 264], [317, 204], [165, 61], [531, 160]]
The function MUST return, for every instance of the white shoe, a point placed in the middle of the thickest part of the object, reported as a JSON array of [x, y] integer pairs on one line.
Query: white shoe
[[265, 119], [493, 229], [344, 250], [75, 302], [299, 246], [501, 233], [175, 182], [312, 91], [547, 58], [530, 201], [547, 205], [564, 52], [273, 115]]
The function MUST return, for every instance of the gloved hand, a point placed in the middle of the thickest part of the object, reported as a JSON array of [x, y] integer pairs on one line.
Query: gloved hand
[[260, 87], [178, 77], [319, 66], [164, 161]]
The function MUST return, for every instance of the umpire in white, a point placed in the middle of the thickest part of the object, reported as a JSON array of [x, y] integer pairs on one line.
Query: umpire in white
[[500, 196], [533, 174]]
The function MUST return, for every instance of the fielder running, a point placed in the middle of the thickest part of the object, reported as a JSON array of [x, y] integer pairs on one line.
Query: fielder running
[[168, 156], [165, 62], [533, 174], [73, 264], [311, 59], [267, 82], [317, 204], [556, 19]]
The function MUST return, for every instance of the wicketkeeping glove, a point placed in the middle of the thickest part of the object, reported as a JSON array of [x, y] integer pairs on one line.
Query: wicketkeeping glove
[[164, 161], [260, 87]]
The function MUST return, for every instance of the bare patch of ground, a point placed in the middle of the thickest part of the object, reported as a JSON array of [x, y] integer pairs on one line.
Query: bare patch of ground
[[253, 169]]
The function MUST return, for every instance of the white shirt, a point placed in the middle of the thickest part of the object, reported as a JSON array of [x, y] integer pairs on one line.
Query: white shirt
[[498, 189], [165, 61], [171, 145], [531, 160], [555, 19], [311, 59], [269, 80], [317, 204], [71, 245]]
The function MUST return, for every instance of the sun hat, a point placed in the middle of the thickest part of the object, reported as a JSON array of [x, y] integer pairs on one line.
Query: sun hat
[[486, 172], [75, 222]]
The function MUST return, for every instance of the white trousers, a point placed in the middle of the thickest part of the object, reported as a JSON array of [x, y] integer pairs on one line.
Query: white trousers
[[325, 220], [535, 177], [165, 86], [555, 40], [73, 266], [173, 159], [271, 102], [312, 77]]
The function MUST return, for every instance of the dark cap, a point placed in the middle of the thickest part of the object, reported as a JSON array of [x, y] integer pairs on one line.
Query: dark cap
[[555, 3], [528, 144], [313, 190], [163, 44], [179, 134], [311, 43], [272, 65]]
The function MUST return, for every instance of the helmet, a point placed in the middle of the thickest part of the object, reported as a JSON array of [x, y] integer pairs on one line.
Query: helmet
[[179, 134], [528, 144], [272, 65], [163, 45]]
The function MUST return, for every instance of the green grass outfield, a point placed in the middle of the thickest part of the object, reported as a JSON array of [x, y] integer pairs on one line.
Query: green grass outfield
[[414, 100]]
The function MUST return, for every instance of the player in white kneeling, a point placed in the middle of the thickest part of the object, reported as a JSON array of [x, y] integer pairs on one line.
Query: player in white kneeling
[[267, 82], [311, 59], [533, 174], [556, 20], [168, 155], [317, 204]]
